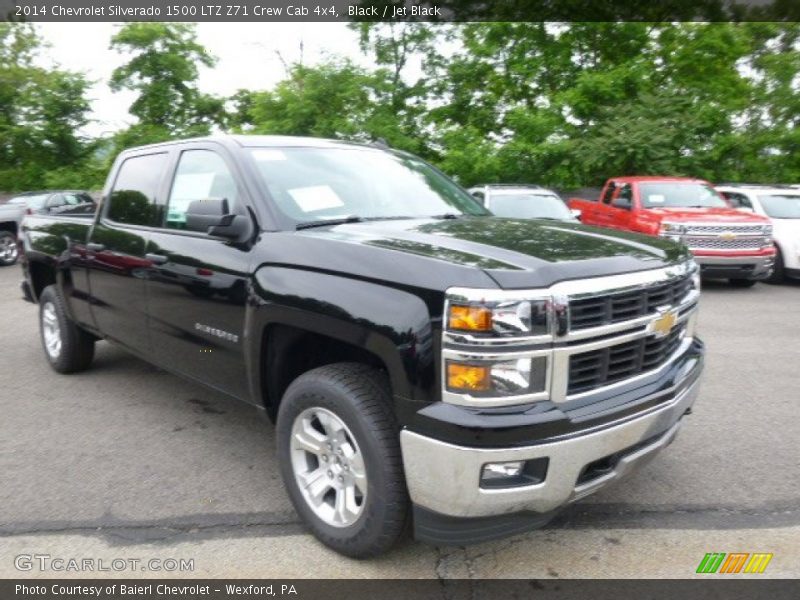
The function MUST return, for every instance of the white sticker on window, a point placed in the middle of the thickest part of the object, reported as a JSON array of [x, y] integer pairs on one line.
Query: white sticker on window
[[317, 197], [656, 198], [192, 186], [268, 155]]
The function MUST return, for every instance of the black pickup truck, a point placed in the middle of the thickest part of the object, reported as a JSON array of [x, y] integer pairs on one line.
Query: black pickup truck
[[425, 362]]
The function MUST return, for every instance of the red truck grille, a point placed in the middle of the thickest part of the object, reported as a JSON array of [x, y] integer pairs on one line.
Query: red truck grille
[[695, 229], [717, 243], [596, 368], [614, 308]]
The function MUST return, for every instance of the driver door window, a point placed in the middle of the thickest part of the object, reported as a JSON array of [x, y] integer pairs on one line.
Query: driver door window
[[201, 175], [624, 197]]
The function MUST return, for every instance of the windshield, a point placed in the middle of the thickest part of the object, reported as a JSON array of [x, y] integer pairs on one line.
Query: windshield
[[529, 206], [680, 195], [781, 206], [313, 184]]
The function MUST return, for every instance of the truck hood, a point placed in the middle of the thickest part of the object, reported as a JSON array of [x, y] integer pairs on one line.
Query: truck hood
[[710, 215], [514, 253]]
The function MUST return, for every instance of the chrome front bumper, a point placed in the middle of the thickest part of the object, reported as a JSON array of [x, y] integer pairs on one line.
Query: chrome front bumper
[[724, 266], [445, 478]]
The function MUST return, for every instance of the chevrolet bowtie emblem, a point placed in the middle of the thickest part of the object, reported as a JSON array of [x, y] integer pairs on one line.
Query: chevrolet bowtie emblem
[[661, 326], [727, 236]]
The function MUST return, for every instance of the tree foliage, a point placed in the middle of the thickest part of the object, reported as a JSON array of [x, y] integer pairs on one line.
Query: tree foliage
[[163, 71], [41, 115], [562, 104]]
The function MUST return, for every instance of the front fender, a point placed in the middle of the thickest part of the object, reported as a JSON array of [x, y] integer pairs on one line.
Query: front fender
[[394, 325]]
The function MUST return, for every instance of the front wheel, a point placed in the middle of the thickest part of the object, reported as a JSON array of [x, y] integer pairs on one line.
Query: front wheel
[[339, 451], [8, 249], [68, 348], [743, 283]]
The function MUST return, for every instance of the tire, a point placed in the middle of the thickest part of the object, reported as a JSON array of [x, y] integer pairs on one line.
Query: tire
[[778, 272], [8, 249], [742, 283], [67, 347], [364, 453]]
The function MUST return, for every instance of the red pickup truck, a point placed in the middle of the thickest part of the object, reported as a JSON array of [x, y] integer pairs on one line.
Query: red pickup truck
[[726, 243]]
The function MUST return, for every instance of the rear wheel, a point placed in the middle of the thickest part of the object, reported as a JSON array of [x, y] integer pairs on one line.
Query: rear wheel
[[742, 283], [68, 348], [778, 273], [338, 444], [8, 248]]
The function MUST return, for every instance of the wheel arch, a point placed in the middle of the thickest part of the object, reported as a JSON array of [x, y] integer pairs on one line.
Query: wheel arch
[[295, 330]]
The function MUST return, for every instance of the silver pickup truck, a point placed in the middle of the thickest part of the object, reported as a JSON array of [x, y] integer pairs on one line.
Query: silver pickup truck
[[49, 202]]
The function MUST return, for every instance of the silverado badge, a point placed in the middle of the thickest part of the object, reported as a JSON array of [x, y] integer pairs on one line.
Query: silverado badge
[[663, 324]]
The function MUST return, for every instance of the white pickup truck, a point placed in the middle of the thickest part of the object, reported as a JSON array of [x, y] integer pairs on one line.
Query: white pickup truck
[[781, 205]]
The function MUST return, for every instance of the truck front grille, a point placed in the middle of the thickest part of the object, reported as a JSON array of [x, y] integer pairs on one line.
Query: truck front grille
[[596, 368], [717, 243], [693, 229], [615, 308]]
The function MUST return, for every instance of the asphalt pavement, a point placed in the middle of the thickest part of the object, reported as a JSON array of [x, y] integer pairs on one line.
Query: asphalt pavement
[[127, 461]]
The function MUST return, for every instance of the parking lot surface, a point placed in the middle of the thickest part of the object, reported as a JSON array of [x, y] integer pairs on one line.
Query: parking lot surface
[[127, 461]]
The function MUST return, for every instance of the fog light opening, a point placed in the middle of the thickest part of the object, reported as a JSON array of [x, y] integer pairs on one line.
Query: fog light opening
[[514, 473]]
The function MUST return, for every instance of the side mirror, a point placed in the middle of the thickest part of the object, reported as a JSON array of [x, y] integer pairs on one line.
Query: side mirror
[[622, 203], [478, 196], [575, 212], [212, 216]]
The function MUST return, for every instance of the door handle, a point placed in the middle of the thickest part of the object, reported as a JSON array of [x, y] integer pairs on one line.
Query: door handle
[[95, 247], [158, 259]]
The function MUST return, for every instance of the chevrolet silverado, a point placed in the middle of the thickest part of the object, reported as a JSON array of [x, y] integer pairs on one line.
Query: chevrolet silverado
[[726, 242], [424, 362]]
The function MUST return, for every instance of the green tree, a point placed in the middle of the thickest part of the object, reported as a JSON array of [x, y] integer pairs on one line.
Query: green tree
[[42, 112], [328, 100], [163, 71], [335, 99]]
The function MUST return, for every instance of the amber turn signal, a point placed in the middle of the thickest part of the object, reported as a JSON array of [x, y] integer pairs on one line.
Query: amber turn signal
[[470, 318], [468, 377]]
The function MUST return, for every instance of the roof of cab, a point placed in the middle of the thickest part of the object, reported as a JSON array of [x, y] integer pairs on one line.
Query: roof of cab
[[263, 141]]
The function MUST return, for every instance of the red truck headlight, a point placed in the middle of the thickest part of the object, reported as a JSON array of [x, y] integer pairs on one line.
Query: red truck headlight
[[672, 231]]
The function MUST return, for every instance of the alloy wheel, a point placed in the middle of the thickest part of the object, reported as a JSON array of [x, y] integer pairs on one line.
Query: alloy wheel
[[328, 467]]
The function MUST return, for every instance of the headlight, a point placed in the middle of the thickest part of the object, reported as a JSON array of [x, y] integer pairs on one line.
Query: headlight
[[767, 236], [672, 231], [504, 318], [695, 270], [514, 377]]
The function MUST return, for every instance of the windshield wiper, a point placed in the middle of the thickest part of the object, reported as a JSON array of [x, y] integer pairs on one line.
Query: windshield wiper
[[351, 219], [324, 222], [446, 216]]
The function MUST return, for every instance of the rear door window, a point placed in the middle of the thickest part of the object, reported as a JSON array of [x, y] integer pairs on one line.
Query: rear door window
[[133, 199]]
